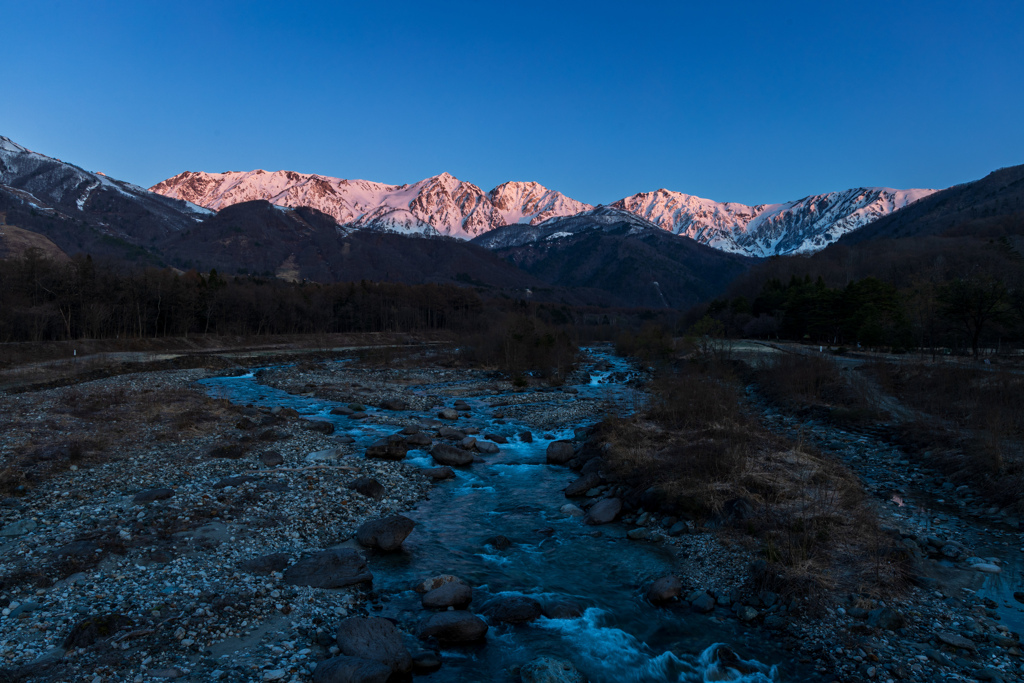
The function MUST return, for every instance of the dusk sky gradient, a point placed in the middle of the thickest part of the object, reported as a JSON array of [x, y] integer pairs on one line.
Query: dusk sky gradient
[[753, 102]]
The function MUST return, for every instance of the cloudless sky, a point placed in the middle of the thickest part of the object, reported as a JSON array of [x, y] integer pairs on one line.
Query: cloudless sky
[[735, 101]]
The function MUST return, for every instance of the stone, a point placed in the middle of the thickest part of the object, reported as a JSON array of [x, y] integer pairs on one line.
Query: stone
[[884, 617], [95, 628], [487, 447], [375, 639], [514, 609], [639, 534], [665, 589], [386, 533], [582, 485], [345, 669], [603, 511], [19, 528], [456, 626], [418, 439], [954, 640], [499, 542], [356, 407], [150, 495], [394, 404], [452, 594], [329, 569], [571, 510], [266, 564], [391, 447], [321, 426], [747, 613], [438, 473], [986, 567], [563, 609], [425, 662], [703, 603], [371, 488], [678, 529], [446, 454], [774, 622], [232, 481], [449, 433], [560, 452], [449, 414], [550, 670], [468, 443], [232, 451], [342, 410], [326, 455], [271, 459], [435, 582], [526, 437], [496, 438]]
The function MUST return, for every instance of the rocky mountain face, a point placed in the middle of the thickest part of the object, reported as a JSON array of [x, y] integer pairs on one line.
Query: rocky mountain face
[[80, 210], [803, 226], [440, 205]]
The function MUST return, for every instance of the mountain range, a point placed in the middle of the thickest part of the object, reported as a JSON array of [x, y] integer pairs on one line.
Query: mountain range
[[444, 205]]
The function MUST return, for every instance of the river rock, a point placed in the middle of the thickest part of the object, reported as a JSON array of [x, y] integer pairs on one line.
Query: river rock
[[371, 488], [456, 626], [435, 582], [394, 404], [563, 609], [232, 481], [582, 485], [232, 451], [449, 433], [468, 443], [342, 410], [418, 439], [321, 426], [271, 459], [560, 452], [514, 609], [326, 455], [452, 594], [499, 542], [150, 495], [346, 669], [571, 510], [884, 617], [603, 511], [487, 447], [955, 640], [425, 662], [702, 603], [550, 670], [329, 569], [986, 567], [356, 407], [496, 438], [265, 564], [391, 447], [375, 639], [665, 589], [446, 454], [526, 437], [386, 533], [19, 528], [461, 406], [438, 473], [449, 414]]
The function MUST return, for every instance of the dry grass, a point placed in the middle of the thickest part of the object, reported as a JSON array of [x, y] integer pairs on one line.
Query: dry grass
[[697, 453], [969, 421]]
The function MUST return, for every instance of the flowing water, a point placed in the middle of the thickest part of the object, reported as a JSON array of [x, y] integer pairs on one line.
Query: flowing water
[[553, 558]]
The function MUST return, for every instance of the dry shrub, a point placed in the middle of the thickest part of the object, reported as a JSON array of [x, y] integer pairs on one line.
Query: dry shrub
[[816, 383]]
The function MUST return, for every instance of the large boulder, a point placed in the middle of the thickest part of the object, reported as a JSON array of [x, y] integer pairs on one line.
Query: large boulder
[[560, 452], [386, 533], [456, 626], [452, 594], [375, 639], [603, 511], [582, 485], [329, 569], [446, 454], [665, 589], [391, 447], [550, 670], [345, 669], [514, 609]]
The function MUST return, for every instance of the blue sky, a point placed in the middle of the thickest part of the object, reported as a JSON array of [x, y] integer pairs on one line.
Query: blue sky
[[735, 101]]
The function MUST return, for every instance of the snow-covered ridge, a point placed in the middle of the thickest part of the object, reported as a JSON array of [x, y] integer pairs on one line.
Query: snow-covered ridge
[[446, 205], [441, 204], [802, 226]]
